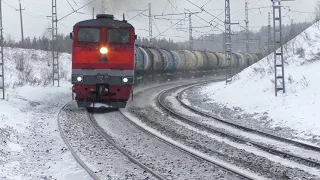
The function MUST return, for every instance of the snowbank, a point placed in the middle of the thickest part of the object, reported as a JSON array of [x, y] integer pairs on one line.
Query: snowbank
[[30, 143], [32, 67], [253, 89]]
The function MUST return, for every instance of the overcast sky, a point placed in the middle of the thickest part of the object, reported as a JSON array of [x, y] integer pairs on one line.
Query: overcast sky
[[36, 24]]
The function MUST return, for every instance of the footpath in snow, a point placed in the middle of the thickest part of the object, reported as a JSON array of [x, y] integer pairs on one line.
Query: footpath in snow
[[30, 143], [252, 90]]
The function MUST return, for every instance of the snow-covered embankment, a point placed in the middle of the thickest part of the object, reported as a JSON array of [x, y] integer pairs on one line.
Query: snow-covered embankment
[[30, 143], [253, 89]]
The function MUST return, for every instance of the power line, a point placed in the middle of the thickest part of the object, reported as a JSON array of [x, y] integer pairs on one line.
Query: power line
[[215, 17], [9, 5], [155, 25], [76, 11], [138, 15], [170, 27], [70, 5]]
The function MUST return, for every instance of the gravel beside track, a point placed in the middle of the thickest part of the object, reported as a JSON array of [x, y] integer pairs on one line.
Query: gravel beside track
[[155, 118], [193, 121], [94, 150], [194, 98], [164, 159]]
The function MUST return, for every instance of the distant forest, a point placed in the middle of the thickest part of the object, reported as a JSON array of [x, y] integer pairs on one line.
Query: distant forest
[[213, 42]]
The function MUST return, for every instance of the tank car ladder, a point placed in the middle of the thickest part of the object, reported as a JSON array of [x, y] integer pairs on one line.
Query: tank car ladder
[[1, 54], [279, 80]]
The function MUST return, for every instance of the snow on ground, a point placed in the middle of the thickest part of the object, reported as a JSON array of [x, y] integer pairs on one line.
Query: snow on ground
[[253, 89], [33, 67], [30, 143]]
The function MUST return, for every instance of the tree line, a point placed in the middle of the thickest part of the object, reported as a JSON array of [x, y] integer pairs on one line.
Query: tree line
[[211, 42]]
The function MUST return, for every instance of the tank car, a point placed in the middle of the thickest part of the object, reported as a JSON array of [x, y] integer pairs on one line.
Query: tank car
[[103, 60]]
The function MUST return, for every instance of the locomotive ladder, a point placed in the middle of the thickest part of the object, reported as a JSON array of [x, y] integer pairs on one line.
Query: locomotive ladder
[[279, 80], [1, 54], [55, 53]]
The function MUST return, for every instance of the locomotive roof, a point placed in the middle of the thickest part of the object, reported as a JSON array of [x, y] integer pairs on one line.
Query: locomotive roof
[[103, 22]]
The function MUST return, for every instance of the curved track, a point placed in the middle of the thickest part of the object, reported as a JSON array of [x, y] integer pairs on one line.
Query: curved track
[[274, 151], [131, 158], [245, 174], [74, 154], [225, 165], [290, 141], [109, 141]]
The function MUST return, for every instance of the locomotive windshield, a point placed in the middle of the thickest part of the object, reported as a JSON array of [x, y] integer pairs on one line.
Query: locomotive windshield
[[88, 35], [118, 36]]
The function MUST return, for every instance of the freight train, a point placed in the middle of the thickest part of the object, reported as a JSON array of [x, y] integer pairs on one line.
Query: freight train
[[106, 62], [150, 61]]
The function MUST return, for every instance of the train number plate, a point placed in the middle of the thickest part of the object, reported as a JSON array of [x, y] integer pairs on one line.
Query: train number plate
[[102, 77]]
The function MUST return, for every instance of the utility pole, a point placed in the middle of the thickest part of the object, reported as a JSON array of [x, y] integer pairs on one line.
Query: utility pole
[[103, 6], [247, 32], [20, 9], [259, 43], [150, 24], [227, 40], [190, 34], [1, 53], [93, 13], [55, 53], [291, 30], [278, 55], [247, 27], [269, 34]]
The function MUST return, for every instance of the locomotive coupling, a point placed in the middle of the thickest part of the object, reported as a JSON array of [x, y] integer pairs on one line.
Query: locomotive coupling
[[103, 90]]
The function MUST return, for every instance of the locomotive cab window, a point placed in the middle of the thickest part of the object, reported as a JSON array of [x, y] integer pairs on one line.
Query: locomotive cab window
[[88, 35], [118, 36]]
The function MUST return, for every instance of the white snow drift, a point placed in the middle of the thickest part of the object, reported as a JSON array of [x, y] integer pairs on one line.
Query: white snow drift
[[253, 88], [30, 143]]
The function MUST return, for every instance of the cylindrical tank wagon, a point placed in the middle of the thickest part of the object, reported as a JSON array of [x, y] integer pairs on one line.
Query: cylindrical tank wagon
[[150, 61]]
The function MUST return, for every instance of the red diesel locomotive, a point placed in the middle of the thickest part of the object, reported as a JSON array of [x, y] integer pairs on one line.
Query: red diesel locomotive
[[103, 61]]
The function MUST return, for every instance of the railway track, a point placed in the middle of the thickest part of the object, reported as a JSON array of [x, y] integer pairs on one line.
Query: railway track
[[226, 132], [98, 139], [130, 157], [239, 172], [73, 152], [202, 156], [225, 165], [290, 141]]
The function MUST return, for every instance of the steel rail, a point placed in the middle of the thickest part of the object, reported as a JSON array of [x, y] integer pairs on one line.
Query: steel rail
[[282, 139], [190, 152], [109, 139], [286, 155], [74, 154], [247, 175]]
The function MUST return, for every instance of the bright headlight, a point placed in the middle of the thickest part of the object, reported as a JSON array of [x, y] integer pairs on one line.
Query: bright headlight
[[103, 50], [79, 78], [125, 80]]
